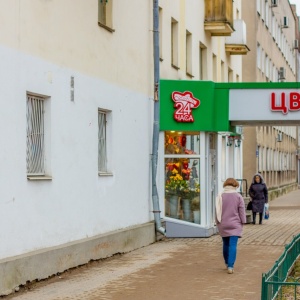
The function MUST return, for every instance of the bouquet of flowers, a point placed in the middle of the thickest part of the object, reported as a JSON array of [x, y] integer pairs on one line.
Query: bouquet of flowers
[[175, 184]]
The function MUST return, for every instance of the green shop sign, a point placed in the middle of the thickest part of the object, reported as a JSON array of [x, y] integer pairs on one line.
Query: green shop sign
[[193, 106], [209, 106]]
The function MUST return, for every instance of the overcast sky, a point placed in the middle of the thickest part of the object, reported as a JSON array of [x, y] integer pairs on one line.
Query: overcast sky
[[297, 2]]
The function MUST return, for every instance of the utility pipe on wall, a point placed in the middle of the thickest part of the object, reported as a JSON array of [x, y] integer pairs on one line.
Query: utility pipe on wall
[[155, 139]]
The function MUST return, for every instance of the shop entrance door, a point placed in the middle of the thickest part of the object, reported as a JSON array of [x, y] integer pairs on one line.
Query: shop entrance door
[[212, 180], [212, 183]]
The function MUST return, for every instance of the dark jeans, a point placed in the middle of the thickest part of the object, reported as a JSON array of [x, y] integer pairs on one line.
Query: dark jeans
[[254, 217], [229, 250]]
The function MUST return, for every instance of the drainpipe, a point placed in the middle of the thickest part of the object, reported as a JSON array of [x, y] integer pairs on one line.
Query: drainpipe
[[155, 138]]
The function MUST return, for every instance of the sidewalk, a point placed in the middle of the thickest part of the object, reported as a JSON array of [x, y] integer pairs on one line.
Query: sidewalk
[[181, 268]]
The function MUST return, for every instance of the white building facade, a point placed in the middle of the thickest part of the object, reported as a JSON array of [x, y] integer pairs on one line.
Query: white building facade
[[77, 98]]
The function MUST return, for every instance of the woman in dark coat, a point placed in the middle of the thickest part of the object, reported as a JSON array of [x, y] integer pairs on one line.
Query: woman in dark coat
[[259, 196]]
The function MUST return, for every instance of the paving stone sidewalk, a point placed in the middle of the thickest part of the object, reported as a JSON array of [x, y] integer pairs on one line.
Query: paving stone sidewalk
[[182, 268]]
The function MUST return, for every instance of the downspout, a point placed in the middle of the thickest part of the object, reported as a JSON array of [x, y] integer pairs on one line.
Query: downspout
[[155, 138]]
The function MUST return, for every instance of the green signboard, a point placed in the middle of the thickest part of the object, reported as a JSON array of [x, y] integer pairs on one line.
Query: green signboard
[[187, 105], [178, 113]]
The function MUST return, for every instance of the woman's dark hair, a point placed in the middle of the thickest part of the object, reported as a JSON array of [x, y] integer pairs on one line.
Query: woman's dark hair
[[231, 182]]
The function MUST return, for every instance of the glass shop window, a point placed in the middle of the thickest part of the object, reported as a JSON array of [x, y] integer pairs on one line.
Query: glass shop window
[[182, 182], [182, 143]]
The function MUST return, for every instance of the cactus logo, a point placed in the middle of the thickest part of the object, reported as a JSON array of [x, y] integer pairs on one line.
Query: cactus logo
[[184, 103]]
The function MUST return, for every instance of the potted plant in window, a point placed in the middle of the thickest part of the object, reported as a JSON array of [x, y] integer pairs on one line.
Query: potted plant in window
[[190, 196], [175, 184]]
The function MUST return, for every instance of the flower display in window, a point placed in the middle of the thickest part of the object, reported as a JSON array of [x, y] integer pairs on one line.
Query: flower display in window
[[175, 184], [190, 192]]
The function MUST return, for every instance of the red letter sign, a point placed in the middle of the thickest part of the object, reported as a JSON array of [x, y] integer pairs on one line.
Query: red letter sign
[[184, 102], [283, 106]]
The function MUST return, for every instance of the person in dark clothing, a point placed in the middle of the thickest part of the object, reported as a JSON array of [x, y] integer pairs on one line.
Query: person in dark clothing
[[258, 192]]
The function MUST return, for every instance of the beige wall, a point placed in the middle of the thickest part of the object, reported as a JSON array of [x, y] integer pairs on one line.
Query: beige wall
[[190, 16], [78, 35]]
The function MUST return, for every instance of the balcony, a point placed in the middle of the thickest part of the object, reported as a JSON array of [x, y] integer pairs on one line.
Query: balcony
[[219, 17], [236, 43]]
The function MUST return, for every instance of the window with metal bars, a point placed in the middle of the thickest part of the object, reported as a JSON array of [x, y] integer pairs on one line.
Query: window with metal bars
[[102, 143], [35, 156]]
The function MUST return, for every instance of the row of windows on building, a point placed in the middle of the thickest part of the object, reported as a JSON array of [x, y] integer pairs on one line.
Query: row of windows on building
[[38, 121], [105, 20], [267, 67], [275, 28], [274, 160]]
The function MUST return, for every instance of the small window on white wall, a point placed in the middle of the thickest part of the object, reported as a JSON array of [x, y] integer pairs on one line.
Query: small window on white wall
[[267, 66], [38, 136], [103, 142], [174, 43], [263, 61], [273, 21], [267, 13], [35, 136], [202, 62], [189, 54], [258, 6], [105, 14], [258, 58]]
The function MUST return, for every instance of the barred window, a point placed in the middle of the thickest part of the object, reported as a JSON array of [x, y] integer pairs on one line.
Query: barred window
[[35, 156], [102, 159]]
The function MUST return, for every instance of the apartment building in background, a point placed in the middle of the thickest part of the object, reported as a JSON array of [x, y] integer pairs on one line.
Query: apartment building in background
[[273, 36]]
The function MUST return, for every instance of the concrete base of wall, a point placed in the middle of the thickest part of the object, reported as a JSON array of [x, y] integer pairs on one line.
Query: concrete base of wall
[[282, 190], [16, 271], [175, 230]]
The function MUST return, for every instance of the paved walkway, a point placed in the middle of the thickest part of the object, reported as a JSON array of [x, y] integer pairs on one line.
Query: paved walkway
[[181, 268]]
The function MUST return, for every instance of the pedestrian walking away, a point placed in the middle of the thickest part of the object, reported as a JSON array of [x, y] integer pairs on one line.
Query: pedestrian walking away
[[230, 217], [258, 193]]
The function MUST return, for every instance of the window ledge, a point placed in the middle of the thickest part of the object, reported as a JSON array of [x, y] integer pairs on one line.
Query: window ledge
[[175, 67], [106, 27], [190, 75], [37, 178], [105, 174]]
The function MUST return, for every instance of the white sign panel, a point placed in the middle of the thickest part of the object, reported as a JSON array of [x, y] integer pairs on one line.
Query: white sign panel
[[264, 105]]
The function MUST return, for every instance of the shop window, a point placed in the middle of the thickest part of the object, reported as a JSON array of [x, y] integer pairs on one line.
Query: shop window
[[182, 143], [182, 182]]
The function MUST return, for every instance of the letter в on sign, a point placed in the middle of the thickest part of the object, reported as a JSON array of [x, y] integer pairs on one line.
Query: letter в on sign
[[294, 101]]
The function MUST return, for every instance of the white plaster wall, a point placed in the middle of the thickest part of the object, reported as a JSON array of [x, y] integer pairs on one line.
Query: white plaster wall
[[76, 203]]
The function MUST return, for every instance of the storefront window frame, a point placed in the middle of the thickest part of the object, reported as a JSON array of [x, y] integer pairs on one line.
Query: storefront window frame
[[201, 159]]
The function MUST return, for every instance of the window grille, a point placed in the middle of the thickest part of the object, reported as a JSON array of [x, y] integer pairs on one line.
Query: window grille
[[35, 136], [102, 145]]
